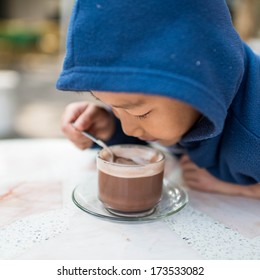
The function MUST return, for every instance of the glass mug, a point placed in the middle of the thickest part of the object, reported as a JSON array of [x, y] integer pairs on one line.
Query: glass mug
[[130, 190]]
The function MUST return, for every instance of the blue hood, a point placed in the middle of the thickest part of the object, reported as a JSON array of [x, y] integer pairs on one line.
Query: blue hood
[[181, 49]]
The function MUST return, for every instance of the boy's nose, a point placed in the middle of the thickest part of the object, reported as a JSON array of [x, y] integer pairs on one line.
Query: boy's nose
[[131, 129]]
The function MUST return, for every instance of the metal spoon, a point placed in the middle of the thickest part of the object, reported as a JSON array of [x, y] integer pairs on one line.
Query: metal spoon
[[114, 158], [99, 142]]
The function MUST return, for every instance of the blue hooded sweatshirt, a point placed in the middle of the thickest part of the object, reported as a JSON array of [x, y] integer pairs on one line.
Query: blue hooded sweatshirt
[[182, 49]]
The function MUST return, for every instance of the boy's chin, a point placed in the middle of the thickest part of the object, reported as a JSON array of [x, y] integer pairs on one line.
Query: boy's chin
[[168, 143]]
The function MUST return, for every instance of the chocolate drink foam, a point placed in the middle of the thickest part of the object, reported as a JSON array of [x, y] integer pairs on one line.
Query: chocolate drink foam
[[142, 161]]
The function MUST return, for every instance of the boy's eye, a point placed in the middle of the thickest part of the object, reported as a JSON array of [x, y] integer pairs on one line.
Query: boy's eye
[[144, 116]]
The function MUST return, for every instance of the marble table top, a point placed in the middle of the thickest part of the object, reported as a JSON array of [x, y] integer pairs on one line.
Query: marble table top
[[38, 219]]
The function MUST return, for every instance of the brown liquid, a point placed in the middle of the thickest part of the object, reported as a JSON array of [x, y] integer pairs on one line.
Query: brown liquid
[[130, 194]]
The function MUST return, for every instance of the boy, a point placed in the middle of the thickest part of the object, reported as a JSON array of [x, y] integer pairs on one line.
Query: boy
[[172, 71]]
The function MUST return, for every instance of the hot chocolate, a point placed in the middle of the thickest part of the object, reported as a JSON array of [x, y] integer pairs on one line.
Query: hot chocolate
[[130, 187], [130, 194]]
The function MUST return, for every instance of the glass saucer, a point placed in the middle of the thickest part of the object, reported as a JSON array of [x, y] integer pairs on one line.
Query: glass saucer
[[174, 198]]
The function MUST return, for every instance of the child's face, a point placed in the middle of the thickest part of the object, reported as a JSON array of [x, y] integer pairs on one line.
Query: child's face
[[151, 117]]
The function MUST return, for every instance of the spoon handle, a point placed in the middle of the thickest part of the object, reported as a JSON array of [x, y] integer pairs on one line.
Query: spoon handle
[[91, 137], [97, 141]]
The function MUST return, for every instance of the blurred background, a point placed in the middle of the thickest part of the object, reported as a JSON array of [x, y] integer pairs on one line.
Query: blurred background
[[32, 45]]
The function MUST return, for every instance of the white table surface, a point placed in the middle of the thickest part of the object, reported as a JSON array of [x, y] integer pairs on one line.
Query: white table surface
[[38, 219]]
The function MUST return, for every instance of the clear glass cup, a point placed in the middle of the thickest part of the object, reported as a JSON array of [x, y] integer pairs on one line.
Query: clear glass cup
[[130, 188]]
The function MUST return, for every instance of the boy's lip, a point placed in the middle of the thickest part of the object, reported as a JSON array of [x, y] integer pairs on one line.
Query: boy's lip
[[148, 139]]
